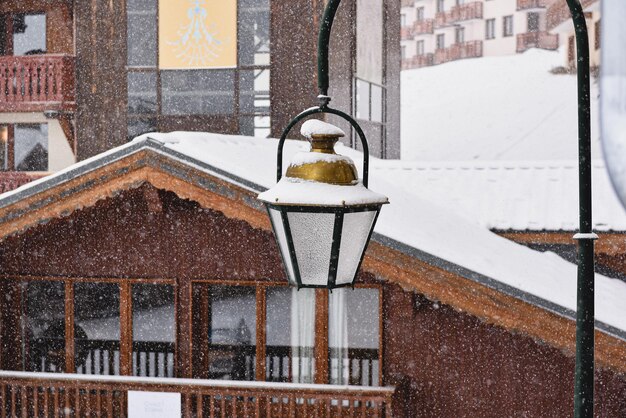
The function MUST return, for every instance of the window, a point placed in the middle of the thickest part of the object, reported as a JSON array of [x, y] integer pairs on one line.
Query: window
[[598, 31], [459, 35], [419, 48], [23, 34], [419, 14], [507, 26], [403, 19], [441, 41], [242, 93], [440, 6], [369, 101], [532, 20], [490, 29], [460, 2], [24, 147], [403, 52]]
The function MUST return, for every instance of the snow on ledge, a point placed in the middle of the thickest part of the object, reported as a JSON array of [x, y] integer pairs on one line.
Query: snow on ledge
[[317, 127]]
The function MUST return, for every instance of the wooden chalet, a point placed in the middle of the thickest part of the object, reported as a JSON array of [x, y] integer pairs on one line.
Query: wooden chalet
[[152, 268]]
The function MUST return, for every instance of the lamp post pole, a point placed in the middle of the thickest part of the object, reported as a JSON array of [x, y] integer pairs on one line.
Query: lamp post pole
[[584, 372]]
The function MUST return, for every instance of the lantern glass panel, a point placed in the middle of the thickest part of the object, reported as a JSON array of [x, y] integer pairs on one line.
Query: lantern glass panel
[[279, 230], [356, 230], [312, 235]]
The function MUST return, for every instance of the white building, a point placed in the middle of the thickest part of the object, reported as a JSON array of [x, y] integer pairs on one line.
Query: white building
[[438, 31], [559, 22]]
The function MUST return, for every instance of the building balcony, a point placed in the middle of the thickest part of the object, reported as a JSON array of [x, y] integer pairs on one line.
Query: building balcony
[[460, 13], [543, 40], [36, 83], [423, 27], [532, 4], [406, 33], [11, 180], [418, 61], [78, 395], [471, 49], [558, 12]]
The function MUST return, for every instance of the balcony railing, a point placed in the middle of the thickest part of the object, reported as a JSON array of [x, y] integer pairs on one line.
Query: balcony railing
[[459, 13], [418, 61], [425, 26], [406, 33], [532, 4], [471, 49], [51, 394], [543, 40], [558, 12], [36, 83], [10, 180]]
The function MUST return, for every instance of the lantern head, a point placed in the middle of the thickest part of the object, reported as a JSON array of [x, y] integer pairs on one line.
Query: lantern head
[[321, 214]]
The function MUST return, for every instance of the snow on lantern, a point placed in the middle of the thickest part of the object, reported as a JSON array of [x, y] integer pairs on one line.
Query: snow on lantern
[[321, 214]]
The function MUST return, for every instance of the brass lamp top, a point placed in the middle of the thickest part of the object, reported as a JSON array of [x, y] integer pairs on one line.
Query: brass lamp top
[[322, 164]]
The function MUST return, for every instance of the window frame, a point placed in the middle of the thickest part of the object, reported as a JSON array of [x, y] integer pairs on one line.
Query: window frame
[[490, 29], [507, 26], [10, 146]]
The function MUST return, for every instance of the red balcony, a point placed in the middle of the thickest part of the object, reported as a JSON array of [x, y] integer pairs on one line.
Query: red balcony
[[418, 61], [11, 180], [532, 4], [36, 83], [459, 13], [471, 49], [406, 33], [543, 40], [558, 12], [425, 26]]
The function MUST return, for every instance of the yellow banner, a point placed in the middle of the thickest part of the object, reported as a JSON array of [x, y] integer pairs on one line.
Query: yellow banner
[[196, 34]]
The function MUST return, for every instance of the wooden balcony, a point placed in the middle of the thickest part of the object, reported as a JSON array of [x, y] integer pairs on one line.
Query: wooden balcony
[[532, 4], [11, 180], [36, 83], [471, 49], [418, 61], [54, 394], [459, 13], [543, 40], [558, 12], [423, 27]]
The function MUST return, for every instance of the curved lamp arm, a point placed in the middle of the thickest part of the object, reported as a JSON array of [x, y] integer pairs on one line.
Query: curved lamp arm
[[323, 84]]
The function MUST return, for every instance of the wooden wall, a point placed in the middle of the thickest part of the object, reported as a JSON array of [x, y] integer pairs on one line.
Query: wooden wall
[[101, 89], [449, 364]]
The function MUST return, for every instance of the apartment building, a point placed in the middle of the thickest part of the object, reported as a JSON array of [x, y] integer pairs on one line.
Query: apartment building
[[559, 22], [438, 31], [80, 77]]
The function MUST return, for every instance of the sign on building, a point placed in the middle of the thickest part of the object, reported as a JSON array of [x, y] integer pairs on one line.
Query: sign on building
[[153, 404]]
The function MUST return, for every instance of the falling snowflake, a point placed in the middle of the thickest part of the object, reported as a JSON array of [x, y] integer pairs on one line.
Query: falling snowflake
[[197, 43]]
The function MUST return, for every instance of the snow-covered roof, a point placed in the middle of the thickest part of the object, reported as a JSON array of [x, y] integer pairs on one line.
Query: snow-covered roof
[[510, 195], [411, 223], [493, 108]]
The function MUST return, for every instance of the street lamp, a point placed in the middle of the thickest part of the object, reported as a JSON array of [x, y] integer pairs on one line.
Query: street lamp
[[321, 214], [313, 216]]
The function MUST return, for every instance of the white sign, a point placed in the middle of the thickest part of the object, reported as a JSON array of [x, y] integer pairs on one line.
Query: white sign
[[153, 404]]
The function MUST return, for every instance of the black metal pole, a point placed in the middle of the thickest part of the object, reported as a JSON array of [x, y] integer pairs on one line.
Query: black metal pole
[[322, 48], [584, 372]]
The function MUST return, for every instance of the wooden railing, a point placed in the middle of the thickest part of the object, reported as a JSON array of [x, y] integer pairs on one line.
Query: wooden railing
[[10, 180], [418, 61], [558, 12], [543, 40], [424, 26], [50, 395], [462, 12], [471, 49], [532, 4], [36, 83]]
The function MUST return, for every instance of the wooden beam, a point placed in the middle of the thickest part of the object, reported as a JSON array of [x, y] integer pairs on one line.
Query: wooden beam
[[70, 343], [261, 337], [321, 336], [126, 329]]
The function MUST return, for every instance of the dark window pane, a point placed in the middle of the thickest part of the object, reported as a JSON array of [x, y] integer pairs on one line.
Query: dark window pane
[[198, 92], [31, 147], [138, 126], [154, 330], [353, 336], [44, 326], [254, 32], [97, 328], [142, 94], [290, 337], [3, 35], [29, 34], [142, 33]]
